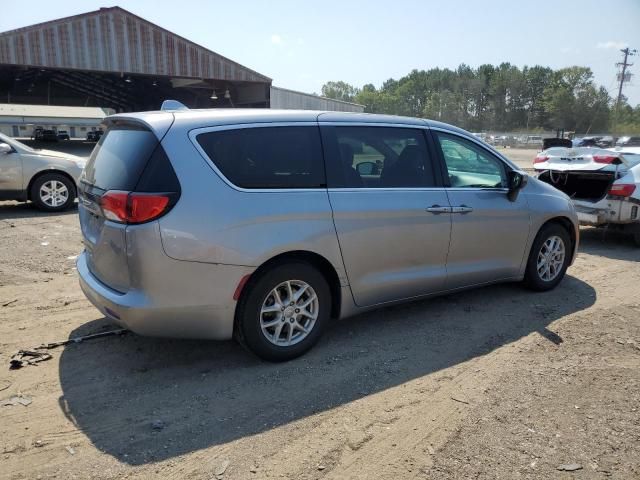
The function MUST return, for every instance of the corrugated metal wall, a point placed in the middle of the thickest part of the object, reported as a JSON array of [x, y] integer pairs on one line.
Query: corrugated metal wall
[[114, 40], [292, 100]]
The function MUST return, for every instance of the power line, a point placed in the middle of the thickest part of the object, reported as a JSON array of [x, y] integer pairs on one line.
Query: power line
[[624, 76]]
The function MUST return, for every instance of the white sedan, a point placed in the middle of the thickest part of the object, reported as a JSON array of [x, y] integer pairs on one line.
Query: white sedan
[[47, 178], [604, 184]]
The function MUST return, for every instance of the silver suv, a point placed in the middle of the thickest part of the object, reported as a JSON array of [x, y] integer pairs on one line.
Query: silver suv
[[262, 224]]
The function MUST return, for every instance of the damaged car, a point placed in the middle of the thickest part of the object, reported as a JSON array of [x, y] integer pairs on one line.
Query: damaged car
[[604, 184]]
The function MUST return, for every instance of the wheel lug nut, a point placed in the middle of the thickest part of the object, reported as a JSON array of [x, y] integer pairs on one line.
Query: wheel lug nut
[[297, 310], [291, 320]]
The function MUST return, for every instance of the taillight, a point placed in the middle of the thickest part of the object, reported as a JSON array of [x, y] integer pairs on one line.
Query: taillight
[[622, 189], [114, 205], [540, 158], [604, 159], [134, 207]]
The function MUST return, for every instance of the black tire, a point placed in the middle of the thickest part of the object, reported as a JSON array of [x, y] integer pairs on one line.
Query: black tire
[[636, 239], [41, 203], [248, 313], [532, 278]]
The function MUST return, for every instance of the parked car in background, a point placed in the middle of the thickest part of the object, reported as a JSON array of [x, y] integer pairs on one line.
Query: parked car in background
[[599, 142], [63, 135], [48, 136], [628, 142], [606, 142], [604, 184], [37, 133], [45, 177], [94, 135], [504, 141], [263, 224], [532, 141]]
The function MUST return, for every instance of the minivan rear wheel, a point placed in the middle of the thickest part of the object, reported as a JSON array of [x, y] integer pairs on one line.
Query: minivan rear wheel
[[549, 258], [283, 312], [53, 192]]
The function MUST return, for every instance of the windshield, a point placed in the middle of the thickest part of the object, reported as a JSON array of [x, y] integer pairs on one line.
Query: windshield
[[14, 143]]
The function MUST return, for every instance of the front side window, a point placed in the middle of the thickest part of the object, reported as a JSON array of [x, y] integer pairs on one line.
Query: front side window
[[470, 166], [267, 157], [376, 157]]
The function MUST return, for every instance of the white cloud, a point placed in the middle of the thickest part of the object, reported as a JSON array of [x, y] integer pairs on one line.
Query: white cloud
[[277, 39], [612, 44]]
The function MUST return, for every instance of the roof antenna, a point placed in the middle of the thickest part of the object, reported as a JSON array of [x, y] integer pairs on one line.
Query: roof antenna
[[169, 105]]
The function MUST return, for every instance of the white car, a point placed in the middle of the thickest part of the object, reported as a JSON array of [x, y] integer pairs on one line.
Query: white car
[[48, 178], [604, 184]]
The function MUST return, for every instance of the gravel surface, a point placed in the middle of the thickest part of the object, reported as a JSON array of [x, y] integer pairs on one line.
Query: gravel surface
[[492, 383]]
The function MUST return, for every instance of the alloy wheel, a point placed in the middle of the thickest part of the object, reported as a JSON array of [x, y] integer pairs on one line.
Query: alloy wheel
[[551, 258], [289, 313], [54, 193]]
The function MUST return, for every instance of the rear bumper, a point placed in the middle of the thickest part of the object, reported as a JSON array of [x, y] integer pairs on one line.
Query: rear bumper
[[193, 300], [608, 211]]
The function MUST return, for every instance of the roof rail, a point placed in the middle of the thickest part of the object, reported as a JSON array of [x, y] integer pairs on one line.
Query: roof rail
[[169, 105]]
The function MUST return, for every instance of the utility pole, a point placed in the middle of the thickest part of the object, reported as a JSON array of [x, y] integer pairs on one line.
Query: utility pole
[[624, 64]]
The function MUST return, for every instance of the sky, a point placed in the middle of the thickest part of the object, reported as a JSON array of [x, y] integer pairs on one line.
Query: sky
[[303, 44]]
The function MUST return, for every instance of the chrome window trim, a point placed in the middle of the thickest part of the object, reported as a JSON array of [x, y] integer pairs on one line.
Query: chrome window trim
[[193, 133], [373, 124], [238, 126], [384, 189]]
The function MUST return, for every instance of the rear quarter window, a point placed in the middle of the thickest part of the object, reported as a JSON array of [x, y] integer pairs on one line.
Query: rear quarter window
[[267, 157]]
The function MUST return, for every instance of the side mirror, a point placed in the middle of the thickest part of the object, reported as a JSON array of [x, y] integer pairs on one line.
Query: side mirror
[[366, 168], [5, 148], [515, 182]]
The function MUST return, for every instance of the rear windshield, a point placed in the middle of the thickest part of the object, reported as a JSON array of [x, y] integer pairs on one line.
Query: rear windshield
[[267, 157], [118, 160]]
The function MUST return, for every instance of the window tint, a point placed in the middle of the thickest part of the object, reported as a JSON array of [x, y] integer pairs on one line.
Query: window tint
[[118, 160], [377, 157], [469, 165], [267, 157]]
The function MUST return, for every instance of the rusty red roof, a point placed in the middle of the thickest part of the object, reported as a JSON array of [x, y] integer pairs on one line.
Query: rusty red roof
[[115, 40]]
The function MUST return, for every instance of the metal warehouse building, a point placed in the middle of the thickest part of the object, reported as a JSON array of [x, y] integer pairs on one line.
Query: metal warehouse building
[[284, 98], [111, 58]]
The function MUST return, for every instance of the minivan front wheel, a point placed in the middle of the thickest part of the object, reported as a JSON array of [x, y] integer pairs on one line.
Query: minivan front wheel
[[53, 192], [283, 312], [549, 258]]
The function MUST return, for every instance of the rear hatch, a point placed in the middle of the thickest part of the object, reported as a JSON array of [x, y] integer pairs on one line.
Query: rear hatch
[[128, 179]]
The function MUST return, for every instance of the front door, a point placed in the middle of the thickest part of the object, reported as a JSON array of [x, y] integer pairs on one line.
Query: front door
[[10, 174], [390, 212], [489, 232]]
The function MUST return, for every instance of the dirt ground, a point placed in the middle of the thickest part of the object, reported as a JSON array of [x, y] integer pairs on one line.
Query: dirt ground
[[492, 383]]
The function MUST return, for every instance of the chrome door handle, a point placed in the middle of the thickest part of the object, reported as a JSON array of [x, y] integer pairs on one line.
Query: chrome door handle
[[461, 209], [437, 209]]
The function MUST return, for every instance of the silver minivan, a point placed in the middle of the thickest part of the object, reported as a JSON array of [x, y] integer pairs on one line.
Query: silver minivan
[[262, 225]]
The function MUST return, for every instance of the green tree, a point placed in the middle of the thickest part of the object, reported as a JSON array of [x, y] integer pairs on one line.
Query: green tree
[[339, 91], [495, 98]]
